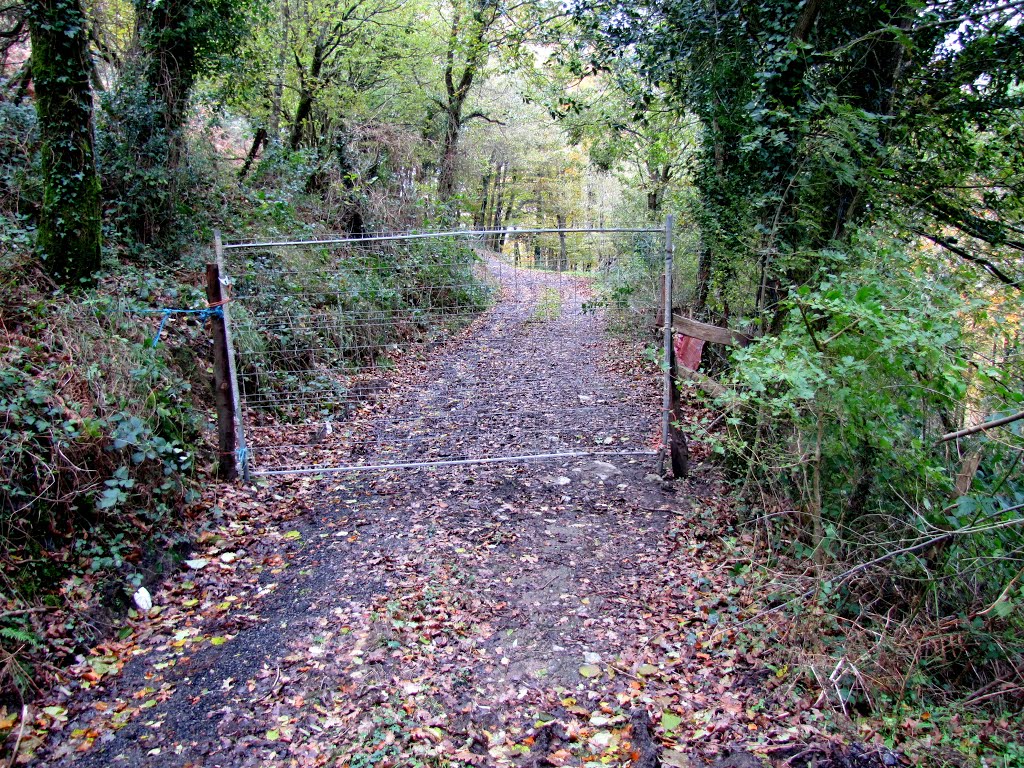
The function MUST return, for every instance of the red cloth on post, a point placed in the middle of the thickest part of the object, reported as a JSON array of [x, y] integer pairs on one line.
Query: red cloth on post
[[688, 351]]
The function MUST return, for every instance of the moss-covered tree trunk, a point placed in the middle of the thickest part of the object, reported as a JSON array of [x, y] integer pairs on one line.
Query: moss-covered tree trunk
[[166, 68], [68, 238]]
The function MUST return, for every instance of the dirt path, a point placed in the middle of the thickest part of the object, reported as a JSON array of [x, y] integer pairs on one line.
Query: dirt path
[[528, 380], [497, 614]]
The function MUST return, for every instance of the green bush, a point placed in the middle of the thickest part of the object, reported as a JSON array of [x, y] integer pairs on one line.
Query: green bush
[[20, 184], [152, 205], [98, 436], [842, 412]]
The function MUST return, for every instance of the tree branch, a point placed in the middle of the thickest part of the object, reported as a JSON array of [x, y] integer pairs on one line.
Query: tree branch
[[981, 427], [991, 268], [481, 116], [846, 575]]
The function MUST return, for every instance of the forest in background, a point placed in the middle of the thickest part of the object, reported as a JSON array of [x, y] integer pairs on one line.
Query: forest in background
[[847, 182]]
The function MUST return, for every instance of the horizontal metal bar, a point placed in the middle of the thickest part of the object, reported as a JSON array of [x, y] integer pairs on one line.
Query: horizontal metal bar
[[431, 235], [328, 319], [391, 445], [444, 463], [616, 397]]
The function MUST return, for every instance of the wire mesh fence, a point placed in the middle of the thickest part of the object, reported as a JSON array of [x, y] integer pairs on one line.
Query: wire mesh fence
[[432, 348]]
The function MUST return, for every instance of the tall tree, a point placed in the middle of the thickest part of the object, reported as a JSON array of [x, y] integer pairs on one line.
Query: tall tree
[[69, 229], [815, 114], [469, 44], [145, 139], [321, 40], [628, 129]]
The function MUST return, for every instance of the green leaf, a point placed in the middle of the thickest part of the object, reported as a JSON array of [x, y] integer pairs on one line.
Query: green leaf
[[1003, 608], [670, 722]]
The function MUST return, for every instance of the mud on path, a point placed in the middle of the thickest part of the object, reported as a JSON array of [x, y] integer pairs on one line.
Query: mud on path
[[497, 614]]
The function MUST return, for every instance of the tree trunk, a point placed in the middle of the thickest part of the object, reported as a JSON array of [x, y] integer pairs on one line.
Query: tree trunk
[[508, 217], [654, 191], [497, 207], [537, 253], [258, 141], [302, 113], [156, 88], [563, 251], [305, 108], [282, 55], [467, 43], [449, 155], [69, 230], [700, 301], [169, 44], [480, 219]]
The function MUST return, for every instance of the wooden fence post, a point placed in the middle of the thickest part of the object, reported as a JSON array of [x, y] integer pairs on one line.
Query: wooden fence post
[[223, 395]]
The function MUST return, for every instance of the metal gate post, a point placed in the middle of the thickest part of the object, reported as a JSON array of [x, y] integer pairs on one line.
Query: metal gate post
[[667, 394], [241, 452]]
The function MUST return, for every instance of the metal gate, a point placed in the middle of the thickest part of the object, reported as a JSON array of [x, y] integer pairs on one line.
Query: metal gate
[[438, 348]]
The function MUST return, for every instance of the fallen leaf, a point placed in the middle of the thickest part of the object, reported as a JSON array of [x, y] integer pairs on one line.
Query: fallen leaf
[[559, 757], [673, 758], [57, 713], [669, 721]]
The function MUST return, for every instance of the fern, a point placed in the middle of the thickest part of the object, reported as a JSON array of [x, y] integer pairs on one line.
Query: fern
[[20, 635]]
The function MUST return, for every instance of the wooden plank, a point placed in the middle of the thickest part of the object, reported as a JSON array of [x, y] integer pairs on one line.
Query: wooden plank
[[708, 332], [222, 390]]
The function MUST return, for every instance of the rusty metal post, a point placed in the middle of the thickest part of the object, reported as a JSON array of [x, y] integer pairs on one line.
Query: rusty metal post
[[667, 338]]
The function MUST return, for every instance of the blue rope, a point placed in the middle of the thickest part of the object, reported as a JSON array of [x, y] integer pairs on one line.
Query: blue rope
[[160, 328], [242, 454], [203, 315]]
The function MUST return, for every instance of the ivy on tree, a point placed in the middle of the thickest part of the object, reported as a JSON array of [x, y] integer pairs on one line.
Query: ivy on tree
[[69, 227]]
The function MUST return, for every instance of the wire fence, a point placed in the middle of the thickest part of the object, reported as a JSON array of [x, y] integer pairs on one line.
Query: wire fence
[[433, 348]]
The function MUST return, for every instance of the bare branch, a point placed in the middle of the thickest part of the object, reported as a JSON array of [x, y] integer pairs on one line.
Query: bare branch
[[966, 255], [981, 427], [481, 116]]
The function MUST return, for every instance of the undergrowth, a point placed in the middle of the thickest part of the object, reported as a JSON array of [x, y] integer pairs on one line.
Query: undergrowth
[[100, 436], [890, 560]]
